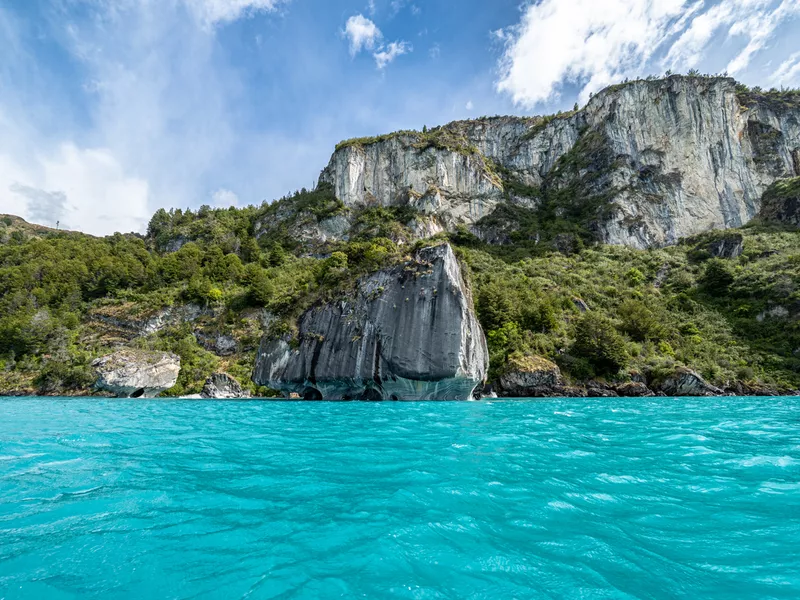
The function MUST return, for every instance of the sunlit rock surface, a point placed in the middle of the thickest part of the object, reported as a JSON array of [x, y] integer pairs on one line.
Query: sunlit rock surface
[[130, 373]]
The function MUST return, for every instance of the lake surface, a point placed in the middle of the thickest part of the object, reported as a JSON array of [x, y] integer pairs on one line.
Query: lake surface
[[574, 498]]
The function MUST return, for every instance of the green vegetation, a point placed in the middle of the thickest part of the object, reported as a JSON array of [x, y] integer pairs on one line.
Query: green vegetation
[[543, 288], [648, 311]]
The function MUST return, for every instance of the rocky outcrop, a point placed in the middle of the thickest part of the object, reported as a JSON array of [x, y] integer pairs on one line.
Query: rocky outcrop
[[131, 373], [781, 203], [727, 246], [410, 333], [653, 161], [223, 387], [134, 326], [220, 344], [634, 389], [685, 382], [530, 376]]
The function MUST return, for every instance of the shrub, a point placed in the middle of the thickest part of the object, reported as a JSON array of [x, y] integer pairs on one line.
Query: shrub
[[717, 277], [639, 322]]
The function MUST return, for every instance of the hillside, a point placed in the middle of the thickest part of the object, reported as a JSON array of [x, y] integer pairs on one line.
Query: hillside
[[653, 231]]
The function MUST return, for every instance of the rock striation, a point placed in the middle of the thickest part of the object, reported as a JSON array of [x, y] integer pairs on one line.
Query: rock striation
[[130, 373], [685, 382], [644, 163], [410, 333], [222, 386]]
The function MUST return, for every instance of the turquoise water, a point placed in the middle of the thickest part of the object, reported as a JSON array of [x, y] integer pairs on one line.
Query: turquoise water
[[606, 498]]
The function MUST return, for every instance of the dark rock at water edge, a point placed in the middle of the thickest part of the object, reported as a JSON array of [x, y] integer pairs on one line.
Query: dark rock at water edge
[[410, 333]]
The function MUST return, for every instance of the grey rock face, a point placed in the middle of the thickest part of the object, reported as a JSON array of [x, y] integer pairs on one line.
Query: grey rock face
[[685, 382], [132, 373], [223, 386], [671, 158], [409, 334], [220, 344], [728, 246]]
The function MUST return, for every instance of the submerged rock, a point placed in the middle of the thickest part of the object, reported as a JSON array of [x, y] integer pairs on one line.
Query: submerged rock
[[410, 334], [133, 373], [223, 386], [685, 382]]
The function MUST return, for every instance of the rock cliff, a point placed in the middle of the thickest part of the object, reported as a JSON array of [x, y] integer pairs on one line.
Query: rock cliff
[[643, 164], [410, 333]]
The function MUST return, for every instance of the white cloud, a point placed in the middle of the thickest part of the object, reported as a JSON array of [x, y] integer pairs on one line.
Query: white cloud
[[592, 44], [212, 12], [580, 40], [362, 33], [224, 198], [754, 21], [469, 105], [388, 53], [788, 73], [80, 188]]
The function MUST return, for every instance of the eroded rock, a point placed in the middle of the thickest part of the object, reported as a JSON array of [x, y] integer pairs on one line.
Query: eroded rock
[[410, 334], [131, 373], [223, 386], [685, 382]]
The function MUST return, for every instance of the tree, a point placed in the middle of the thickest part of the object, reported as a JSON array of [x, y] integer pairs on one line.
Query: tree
[[717, 277], [597, 341], [639, 322]]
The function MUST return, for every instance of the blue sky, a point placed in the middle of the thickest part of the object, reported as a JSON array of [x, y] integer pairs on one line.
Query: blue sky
[[110, 109]]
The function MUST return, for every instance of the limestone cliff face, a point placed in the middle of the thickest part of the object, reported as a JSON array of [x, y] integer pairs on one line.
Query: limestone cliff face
[[654, 160], [409, 334]]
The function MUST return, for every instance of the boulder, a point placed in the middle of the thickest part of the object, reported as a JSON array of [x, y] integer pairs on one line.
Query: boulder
[[595, 389], [131, 373], [634, 389], [223, 386], [530, 376], [685, 382], [409, 333]]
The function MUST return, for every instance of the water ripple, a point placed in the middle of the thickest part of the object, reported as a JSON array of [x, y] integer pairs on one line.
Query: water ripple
[[611, 498]]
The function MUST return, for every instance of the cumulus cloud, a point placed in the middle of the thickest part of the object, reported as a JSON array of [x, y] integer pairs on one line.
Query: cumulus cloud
[[592, 44], [561, 41], [362, 33], [388, 53], [81, 188], [224, 198]]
